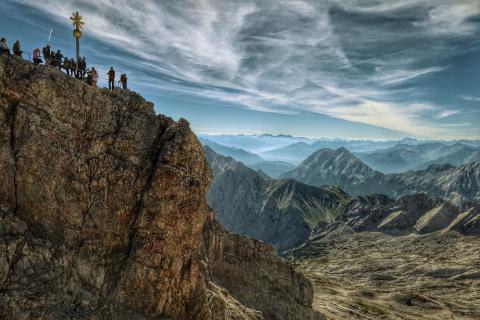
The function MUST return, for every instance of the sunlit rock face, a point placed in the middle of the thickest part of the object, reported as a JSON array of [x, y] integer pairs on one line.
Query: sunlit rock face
[[103, 214]]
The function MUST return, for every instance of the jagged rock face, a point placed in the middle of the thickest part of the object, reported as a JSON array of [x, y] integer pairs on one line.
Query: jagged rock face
[[241, 262], [103, 211], [409, 214], [280, 212], [454, 184], [339, 168]]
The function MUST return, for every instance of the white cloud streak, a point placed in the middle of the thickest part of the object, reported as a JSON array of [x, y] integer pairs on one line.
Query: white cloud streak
[[285, 57]]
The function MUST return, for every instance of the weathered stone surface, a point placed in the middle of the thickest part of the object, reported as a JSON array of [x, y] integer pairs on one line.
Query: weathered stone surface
[[103, 213]]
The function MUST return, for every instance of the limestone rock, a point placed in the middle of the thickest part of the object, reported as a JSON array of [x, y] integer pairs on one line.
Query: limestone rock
[[103, 213]]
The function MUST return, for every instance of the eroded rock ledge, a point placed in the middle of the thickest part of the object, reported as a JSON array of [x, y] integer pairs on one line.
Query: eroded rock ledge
[[103, 214]]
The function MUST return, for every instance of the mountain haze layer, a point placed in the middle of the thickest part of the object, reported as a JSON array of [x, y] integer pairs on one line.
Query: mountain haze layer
[[404, 157]]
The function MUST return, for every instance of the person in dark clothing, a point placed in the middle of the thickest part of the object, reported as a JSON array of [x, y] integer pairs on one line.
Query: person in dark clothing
[[66, 65], [4, 49], [81, 67], [111, 79], [53, 59], [47, 54], [84, 67], [17, 51], [89, 78], [59, 59], [73, 67]]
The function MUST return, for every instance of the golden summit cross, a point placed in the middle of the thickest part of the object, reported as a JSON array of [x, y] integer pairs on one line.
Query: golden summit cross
[[77, 20]]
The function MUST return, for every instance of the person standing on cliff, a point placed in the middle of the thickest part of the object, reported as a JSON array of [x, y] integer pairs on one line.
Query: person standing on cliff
[[37, 56], [66, 65], [111, 79], [83, 67], [47, 54], [94, 77], [17, 51], [123, 80], [59, 58], [4, 49]]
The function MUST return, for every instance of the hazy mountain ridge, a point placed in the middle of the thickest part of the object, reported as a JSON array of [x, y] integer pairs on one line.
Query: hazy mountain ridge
[[455, 184], [341, 168], [385, 156], [272, 168], [403, 157]]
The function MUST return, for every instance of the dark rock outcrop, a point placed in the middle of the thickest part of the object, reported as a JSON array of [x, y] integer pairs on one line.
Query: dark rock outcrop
[[103, 214]]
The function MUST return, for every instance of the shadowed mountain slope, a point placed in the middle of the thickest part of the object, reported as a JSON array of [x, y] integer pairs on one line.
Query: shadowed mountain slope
[[280, 212]]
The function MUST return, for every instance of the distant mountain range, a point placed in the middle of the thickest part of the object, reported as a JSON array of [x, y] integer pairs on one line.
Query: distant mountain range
[[341, 168], [286, 213], [390, 156], [404, 157], [272, 168], [255, 143]]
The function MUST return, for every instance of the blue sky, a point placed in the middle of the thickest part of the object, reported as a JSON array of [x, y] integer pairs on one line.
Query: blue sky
[[334, 68]]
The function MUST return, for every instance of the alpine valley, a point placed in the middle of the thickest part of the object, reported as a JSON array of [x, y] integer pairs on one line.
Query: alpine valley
[[376, 245]]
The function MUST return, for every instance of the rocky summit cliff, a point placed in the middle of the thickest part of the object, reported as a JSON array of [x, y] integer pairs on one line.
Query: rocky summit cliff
[[103, 214]]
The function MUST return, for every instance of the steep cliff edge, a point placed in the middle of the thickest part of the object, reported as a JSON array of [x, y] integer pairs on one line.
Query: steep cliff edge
[[103, 214]]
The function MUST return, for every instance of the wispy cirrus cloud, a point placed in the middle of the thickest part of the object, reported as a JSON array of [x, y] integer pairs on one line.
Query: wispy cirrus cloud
[[362, 63], [470, 98], [446, 113]]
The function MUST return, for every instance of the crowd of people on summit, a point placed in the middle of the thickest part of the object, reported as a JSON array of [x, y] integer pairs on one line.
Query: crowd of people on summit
[[73, 67]]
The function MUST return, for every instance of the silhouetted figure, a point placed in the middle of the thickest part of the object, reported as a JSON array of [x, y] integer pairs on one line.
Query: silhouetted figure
[[17, 51], [47, 54], [53, 58], [94, 76], [4, 49], [73, 67], [37, 56], [81, 68], [84, 66], [59, 59], [111, 79], [66, 65], [123, 80]]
